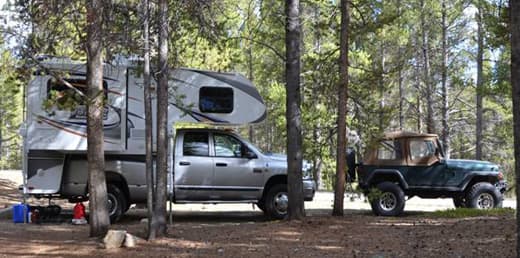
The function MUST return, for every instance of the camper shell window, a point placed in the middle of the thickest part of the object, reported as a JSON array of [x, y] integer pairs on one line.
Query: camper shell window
[[216, 99]]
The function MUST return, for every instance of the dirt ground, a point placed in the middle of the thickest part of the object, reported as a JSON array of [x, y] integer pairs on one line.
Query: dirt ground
[[248, 234]]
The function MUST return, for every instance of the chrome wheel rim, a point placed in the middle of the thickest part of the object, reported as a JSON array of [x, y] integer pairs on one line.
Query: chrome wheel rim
[[388, 201], [485, 201], [281, 202], [111, 204]]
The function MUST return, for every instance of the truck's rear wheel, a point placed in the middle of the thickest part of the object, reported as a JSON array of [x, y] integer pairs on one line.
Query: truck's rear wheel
[[484, 195], [116, 203], [389, 201], [276, 201]]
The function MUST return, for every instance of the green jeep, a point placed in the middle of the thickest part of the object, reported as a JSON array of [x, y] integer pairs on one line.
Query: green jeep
[[411, 164]]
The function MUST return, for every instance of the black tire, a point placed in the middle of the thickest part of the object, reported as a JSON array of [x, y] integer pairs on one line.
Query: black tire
[[276, 201], [484, 195], [261, 205], [459, 202], [390, 201], [117, 203]]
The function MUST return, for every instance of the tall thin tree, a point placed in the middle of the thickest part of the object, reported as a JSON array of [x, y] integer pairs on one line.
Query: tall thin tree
[[515, 83], [296, 209], [444, 81], [162, 121], [480, 79], [148, 121], [99, 220], [342, 112]]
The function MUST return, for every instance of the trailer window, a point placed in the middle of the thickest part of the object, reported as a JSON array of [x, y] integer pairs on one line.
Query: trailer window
[[80, 84], [195, 144], [216, 99]]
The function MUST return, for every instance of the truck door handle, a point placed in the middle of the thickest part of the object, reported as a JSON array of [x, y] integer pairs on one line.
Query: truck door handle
[[257, 170], [221, 164], [184, 163]]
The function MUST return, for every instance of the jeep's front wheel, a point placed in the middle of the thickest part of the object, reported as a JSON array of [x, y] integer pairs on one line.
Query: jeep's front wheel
[[484, 196], [389, 201], [276, 201]]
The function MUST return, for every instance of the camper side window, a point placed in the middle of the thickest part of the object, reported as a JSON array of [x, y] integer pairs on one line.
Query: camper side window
[[195, 144], [216, 99], [65, 98]]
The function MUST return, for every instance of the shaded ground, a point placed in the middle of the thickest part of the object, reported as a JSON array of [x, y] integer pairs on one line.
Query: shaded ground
[[208, 232], [247, 234]]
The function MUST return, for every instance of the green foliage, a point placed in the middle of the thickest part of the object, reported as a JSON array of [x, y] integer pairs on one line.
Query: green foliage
[[467, 212], [11, 92]]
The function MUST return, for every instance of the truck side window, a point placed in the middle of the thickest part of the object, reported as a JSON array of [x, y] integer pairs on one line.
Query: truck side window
[[389, 150], [421, 148], [227, 146], [216, 99], [195, 144]]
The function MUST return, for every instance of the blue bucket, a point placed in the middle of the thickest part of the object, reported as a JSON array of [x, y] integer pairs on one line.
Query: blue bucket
[[19, 210]]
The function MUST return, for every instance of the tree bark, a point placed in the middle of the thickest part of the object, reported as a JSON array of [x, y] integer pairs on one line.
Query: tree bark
[[152, 225], [430, 123], [99, 220], [341, 158], [515, 83], [444, 84], [480, 83], [296, 209], [162, 120]]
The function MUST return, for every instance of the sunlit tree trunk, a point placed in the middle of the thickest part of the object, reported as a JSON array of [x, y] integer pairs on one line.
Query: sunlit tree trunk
[[152, 225], [162, 120], [296, 209], [341, 158], [99, 220]]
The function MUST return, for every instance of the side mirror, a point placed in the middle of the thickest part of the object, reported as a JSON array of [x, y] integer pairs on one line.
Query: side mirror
[[250, 155]]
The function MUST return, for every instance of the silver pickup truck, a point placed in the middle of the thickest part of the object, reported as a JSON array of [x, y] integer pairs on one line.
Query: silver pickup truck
[[210, 166]]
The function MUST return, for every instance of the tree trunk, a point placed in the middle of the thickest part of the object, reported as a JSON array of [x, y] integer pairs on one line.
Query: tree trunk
[[430, 123], [341, 158], [162, 121], [99, 220], [444, 86], [152, 225], [515, 83], [296, 209], [480, 83]]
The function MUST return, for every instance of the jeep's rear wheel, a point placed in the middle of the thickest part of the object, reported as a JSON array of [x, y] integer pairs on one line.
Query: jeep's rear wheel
[[459, 202], [389, 201], [276, 201], [484, 196]]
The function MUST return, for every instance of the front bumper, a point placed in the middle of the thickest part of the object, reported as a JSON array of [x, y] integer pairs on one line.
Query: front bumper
[[501, 186], [309, 188]]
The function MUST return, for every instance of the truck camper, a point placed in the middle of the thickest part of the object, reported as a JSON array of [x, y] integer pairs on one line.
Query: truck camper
[[55, 138]]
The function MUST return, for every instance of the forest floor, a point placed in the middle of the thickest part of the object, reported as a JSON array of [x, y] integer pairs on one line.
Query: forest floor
[[207, 231]]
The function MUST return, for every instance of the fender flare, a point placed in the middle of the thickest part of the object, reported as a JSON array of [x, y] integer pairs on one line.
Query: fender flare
[[493, 175], [388, 172]]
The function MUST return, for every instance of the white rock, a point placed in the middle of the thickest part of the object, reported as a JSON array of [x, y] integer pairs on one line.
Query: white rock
[[130, 241], [114, 239]]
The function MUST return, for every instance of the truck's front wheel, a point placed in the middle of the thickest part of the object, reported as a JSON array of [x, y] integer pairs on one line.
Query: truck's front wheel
[[116, 203], [389, 200], [484, 196], [276, 201]]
